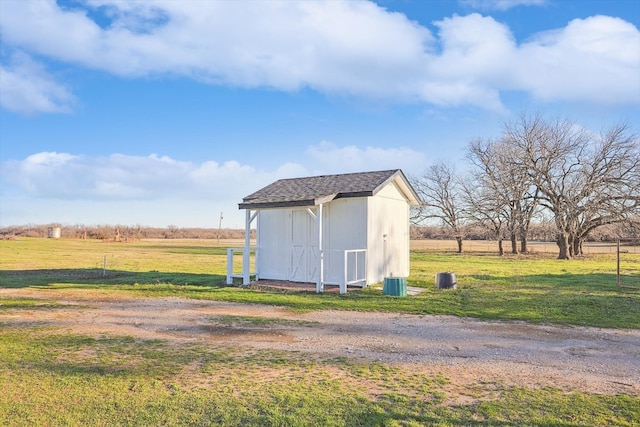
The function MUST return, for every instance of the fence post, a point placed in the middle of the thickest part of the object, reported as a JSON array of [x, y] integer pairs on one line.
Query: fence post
[[229, 266], [343, 284], [618, 263]]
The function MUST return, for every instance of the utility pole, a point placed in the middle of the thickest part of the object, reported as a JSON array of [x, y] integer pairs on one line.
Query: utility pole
[[219, 228]]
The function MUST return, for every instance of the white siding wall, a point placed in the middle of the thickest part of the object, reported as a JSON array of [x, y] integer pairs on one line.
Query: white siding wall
[[388, 213], [345, 227], [274, 226]]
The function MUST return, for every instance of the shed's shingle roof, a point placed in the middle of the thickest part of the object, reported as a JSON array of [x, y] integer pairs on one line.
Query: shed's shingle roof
[[311, 191]]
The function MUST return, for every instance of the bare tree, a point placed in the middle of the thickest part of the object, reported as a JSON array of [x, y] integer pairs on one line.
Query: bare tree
[[613, 192], [441, 192], [508, 185], [485, 207], [171, 232], [585, 181]]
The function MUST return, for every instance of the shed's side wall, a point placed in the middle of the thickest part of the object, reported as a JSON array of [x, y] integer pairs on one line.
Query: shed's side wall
[[388, 214]]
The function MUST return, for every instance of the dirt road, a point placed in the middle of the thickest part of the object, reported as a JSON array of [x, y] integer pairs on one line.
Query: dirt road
[[466, 351]]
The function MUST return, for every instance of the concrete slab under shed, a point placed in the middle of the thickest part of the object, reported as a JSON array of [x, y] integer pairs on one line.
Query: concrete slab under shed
[[411, 290], [286, 286]]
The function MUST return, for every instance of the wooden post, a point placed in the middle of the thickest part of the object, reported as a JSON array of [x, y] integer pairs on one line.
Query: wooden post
[[320, 283], [343, 284], [246, 255], [618, 260], [229, 266]]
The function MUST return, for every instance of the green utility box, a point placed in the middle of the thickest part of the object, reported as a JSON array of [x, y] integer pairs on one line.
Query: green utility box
[[395, 286]]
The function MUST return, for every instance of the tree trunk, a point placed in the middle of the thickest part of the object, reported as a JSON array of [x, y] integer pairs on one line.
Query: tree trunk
[[514, 243], [523, 243], [500, 247], [563, 246], [459, 240], [572, 242], [524, 249], [577, 246]]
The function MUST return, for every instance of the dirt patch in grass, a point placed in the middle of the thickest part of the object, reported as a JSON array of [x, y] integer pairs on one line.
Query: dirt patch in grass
[[468, 353]]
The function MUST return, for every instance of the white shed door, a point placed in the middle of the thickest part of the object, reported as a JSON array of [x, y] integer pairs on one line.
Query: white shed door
[[304, 248]]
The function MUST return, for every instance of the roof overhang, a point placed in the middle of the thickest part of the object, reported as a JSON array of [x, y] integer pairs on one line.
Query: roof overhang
[[289, 203]]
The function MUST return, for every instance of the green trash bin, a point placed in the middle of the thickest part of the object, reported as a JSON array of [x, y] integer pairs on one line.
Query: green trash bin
[[395, 286]]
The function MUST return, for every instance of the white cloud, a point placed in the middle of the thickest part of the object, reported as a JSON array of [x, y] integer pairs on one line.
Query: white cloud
[[330, 158], [52, 175], [502, 5], [286, 45], [120, 189], [353, 48], [158, 190], [594, 59], [471, 69], [122, 177], [26, 88]]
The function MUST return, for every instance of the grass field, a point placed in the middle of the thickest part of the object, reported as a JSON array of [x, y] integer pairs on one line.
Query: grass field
[[50, 377], [533, 288]]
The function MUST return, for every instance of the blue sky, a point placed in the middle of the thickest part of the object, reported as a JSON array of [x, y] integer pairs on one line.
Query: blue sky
[[169, 112]]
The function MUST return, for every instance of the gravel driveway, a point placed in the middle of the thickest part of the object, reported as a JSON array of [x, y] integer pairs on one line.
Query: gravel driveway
[[466, 351]]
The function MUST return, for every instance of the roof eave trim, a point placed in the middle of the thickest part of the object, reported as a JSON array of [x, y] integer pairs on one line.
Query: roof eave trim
[[325, 199], [355, 194], [269, 205], [288, 203]]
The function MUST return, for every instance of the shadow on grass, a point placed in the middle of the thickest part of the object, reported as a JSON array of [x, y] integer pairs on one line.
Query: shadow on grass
[[567, 282], [189, 250], [99, 277]]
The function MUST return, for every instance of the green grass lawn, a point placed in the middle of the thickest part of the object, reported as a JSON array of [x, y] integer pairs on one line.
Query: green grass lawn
[[536, 288], [50, 377]]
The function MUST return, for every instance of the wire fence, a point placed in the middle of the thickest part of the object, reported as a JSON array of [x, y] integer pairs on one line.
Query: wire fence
[[630, 245], [624, 255], [627, 264]]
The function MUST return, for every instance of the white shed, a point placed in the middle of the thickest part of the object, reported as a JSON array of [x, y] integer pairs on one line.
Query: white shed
[[349, 229]]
